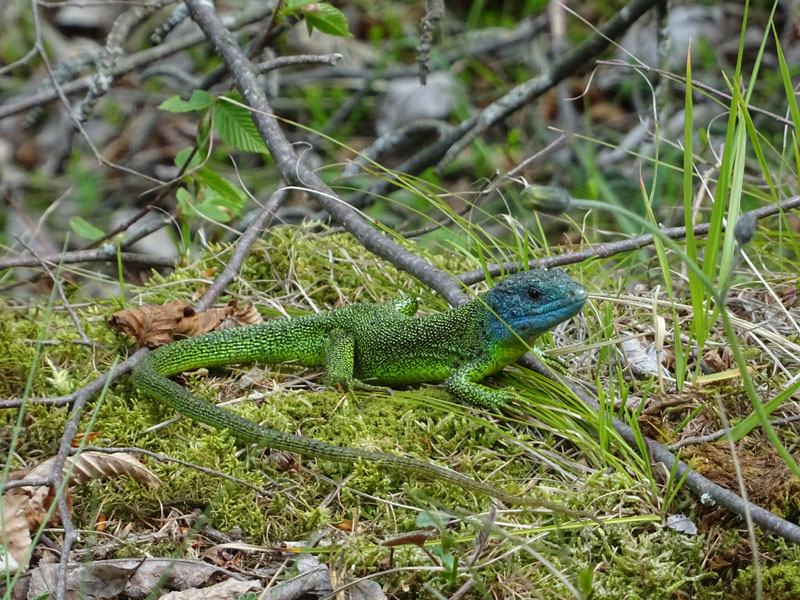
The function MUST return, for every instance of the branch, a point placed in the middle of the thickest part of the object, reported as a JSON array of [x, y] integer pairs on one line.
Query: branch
[[701, 486], [294, 172], [612, 248], [533, 88], [104, 253], [27, 100]]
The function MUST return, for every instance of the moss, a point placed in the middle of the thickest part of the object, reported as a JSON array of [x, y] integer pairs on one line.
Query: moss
[[636, 559], [780, 581]]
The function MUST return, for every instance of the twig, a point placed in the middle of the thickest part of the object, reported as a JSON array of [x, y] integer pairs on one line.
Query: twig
[[612, 248], [255, 12], [522, 34], [86, 391], [434, 226], [434, 9], [242, 250], [556, 143], [295, 173], [701, 486], [106, 60], [720, 433], [162, 194], [695, 84], [392, 139], [146, 230], [535, 87], [298, 59], [165, 458], [106, 252]]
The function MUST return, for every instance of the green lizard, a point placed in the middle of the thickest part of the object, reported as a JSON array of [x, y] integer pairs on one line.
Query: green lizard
[[382, 344]]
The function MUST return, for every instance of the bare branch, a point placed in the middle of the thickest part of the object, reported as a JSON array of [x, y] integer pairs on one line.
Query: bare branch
[[294, 172]]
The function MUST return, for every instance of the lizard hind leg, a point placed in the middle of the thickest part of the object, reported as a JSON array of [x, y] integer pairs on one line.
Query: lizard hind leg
[[339, 360]]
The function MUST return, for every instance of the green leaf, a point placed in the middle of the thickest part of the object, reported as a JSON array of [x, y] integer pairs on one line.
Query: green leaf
[[292, 5], [328, 19], [236, 128], [209, 203], [85, 229], [431, 518], [225, 200], [200, 100], [183, 155], [214, 206]]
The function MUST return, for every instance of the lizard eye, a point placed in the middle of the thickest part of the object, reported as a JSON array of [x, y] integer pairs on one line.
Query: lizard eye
[[534, 293]]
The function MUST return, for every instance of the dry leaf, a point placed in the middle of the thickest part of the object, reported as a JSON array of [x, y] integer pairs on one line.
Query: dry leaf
[[25, 508], [16, 532], [156, 325], [719, 359], [247, 315], [130, 577], [205, 321], [152, 324]]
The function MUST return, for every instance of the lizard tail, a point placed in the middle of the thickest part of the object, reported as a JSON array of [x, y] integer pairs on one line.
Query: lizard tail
[[149, 381]]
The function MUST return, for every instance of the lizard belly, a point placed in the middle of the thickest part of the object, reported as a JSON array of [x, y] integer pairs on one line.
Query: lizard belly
[[411, 368]]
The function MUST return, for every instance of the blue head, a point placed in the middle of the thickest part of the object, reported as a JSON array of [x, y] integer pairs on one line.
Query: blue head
[[531, 302]]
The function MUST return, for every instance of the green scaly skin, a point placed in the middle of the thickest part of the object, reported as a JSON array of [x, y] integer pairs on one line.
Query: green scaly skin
[[384, 345]]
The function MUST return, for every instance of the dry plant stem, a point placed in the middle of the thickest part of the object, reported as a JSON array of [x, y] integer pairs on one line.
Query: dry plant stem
[[242, 249], [695, 84], [720, 433], [702, 487], [105, 253], [62, 295], [612, 248], [257, 11], [164, 458], [294, 172], [299, 59]]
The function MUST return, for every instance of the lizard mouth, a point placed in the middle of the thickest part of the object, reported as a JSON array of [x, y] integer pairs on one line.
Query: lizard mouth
[[575, 299]]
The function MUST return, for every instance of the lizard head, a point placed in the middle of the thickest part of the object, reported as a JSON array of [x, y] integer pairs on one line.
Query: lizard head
[[531, 302]]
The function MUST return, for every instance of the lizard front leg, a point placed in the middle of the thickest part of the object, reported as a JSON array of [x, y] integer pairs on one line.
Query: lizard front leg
[[463, 384], [405, 305]]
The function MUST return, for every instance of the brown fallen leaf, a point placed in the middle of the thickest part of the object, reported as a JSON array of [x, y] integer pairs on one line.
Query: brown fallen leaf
[[156, 325], [136, 578], [25, 508], [247, 315], [152, 324]]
